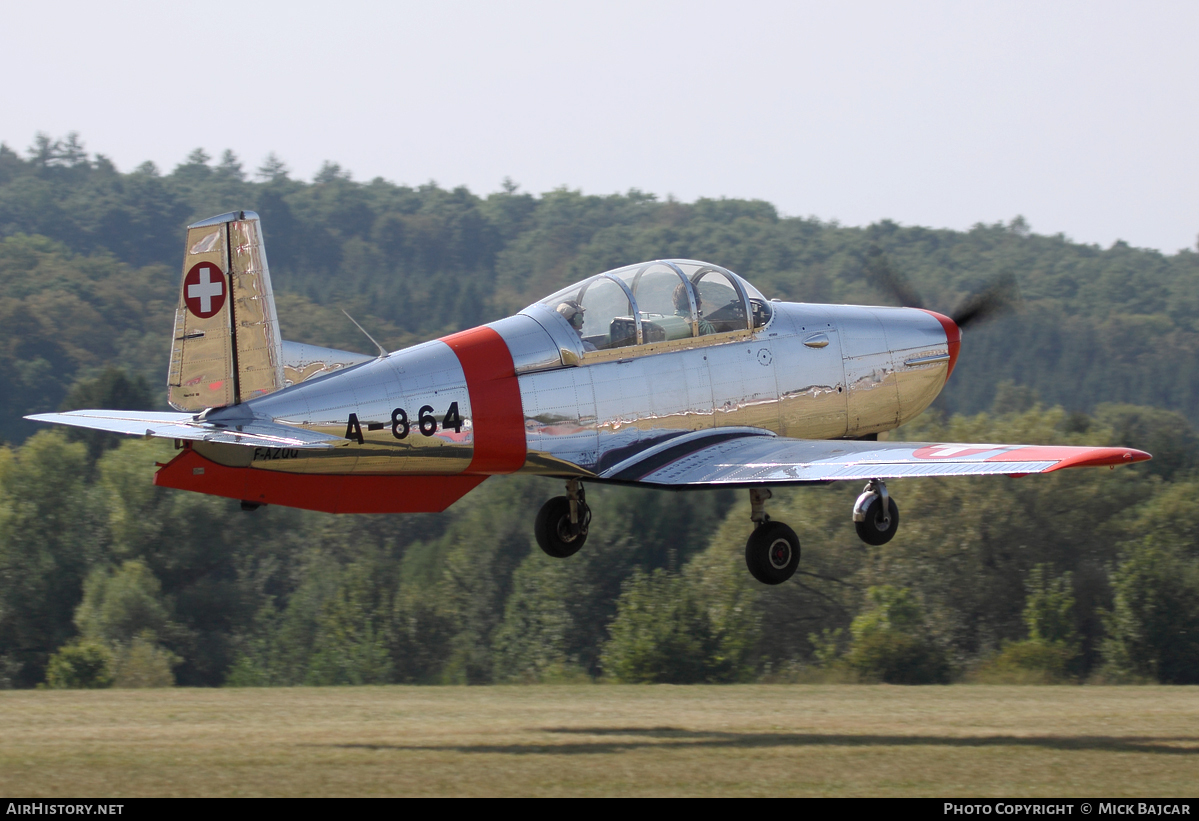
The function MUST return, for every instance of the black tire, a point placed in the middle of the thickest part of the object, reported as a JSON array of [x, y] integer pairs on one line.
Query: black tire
[[772, 553], [555, 535], [873, 530]]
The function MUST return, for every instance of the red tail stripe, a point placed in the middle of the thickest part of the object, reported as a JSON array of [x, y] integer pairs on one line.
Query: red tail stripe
[[498, 416]]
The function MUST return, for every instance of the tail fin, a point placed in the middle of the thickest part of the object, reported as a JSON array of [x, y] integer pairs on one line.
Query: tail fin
[[225, 350]]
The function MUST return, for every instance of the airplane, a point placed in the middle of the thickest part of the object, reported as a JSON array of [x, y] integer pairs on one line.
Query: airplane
[[669, 373]]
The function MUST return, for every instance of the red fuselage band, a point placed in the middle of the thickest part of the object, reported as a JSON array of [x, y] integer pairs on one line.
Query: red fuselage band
[[498, 416]]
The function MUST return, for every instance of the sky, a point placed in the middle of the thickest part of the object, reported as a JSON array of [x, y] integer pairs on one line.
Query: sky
[[1082, 117]]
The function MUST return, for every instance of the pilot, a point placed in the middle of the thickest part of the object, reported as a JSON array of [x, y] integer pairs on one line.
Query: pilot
[[682, 307], [573, 313]]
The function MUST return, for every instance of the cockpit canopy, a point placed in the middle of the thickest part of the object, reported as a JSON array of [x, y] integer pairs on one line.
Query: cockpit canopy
[[659, 301]]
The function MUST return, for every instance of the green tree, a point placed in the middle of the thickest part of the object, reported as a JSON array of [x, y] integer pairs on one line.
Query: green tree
[[1049, 654], [230, 167], [81, 665], [556, 616], [272, 169], [143, 662], [276, 647], [422, 633], [50, 534], [891, 642], [1153, 626], [123, 609], [114, 390], [537, 639], [663, 633], [1049, 607], [351, 644], [481, 550], [1166, 434], [217, 565], [121, 604]]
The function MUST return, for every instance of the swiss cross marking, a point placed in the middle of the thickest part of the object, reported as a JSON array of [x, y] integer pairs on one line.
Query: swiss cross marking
[[204, 290]]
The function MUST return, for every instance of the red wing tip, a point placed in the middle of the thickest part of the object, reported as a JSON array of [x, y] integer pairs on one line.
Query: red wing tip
[[1100, 457], [1072, 456], [1118, 456]]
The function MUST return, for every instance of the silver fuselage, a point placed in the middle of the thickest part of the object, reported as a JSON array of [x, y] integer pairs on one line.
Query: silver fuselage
[[811, 372]]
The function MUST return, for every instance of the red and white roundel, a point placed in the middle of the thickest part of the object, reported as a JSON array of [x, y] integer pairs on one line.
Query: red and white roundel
[[204, 289], [950, 451]]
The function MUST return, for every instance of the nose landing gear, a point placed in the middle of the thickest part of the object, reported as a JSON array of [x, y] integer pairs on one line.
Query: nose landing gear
[[562, 522], [772, 550], [875, 515]]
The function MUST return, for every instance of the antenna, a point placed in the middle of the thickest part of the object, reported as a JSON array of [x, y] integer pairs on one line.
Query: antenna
[[382, 351]]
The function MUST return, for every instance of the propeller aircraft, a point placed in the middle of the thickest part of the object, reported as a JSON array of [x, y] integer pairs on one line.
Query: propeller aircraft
[[671, 374]]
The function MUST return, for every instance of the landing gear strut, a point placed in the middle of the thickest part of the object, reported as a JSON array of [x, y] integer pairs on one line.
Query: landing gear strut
[[562, 522], [772, 550], [875, 515]]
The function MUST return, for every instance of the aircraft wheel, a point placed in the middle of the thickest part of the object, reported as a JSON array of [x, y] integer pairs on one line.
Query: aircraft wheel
[[555, 534], [772, 553], [874, 529]]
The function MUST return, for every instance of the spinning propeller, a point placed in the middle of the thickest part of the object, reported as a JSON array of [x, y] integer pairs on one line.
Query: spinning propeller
[[999, 297]]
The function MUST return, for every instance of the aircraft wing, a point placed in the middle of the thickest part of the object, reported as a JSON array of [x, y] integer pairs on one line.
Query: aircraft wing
[[750, 457], [185, 426]]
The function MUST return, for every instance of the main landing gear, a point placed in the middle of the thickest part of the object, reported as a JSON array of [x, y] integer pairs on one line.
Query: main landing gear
[[875, 516], [772, 550], [562, 522]]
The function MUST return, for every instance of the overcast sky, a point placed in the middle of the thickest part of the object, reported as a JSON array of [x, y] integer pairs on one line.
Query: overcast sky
[[1081, 116]]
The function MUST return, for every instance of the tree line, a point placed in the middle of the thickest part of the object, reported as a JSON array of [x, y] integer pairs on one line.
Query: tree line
[[414, 263]]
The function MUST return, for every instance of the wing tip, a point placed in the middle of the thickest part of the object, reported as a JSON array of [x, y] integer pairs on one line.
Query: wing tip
[[1102, 457]]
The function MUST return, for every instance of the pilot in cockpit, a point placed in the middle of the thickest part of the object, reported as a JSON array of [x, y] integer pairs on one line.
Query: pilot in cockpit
[[572, 312], [682, 307]]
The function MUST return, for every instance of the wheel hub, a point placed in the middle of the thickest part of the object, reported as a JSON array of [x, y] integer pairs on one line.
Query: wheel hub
[[780, 554]]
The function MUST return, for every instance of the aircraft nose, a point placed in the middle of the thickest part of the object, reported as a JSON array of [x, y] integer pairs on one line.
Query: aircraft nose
[[953, 335]]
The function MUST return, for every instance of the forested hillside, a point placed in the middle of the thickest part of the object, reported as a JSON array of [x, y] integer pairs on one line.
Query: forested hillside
[[413, 263], [102, 575]]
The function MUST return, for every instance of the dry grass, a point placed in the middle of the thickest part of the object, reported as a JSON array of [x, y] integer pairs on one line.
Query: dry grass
[[603, 740]]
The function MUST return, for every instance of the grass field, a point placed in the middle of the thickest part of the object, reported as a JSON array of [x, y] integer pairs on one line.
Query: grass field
[[603, 740]]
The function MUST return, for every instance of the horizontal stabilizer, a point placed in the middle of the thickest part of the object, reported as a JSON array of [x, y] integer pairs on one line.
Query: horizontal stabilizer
[[251, 432], [302, 362]]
